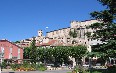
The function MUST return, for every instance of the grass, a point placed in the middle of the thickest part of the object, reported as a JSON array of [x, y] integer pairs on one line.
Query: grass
[[69, 72]]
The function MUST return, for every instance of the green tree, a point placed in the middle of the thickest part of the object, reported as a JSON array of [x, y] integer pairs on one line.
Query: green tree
[[60, 54], [78, 52], [106, 29], [26, 53], [33, 55], [16, 42], [73, 33], [40, 52]]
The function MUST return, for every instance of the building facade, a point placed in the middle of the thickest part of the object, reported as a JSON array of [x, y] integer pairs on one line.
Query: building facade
[[81, 30], [9, 50], [62, 35]]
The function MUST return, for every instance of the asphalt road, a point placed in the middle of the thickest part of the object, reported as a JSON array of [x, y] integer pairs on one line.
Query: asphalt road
[[48, 71]]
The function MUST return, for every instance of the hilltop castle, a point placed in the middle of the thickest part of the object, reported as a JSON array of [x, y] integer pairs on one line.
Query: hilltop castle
[[61, 37]]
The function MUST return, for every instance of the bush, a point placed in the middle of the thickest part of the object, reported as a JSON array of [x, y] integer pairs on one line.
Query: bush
[[79, 69], [28, 67], [41, 67], [4, 65], [111, 69], [15, 66]]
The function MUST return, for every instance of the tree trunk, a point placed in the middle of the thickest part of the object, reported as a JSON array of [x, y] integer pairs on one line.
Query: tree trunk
[[76, 61]]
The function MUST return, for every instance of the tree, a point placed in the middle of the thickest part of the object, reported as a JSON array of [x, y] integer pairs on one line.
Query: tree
[[60, 54], [26, 53], [55, 55], [106, 29], [78, 52], [16, 42], [33, 51], [73, 35]]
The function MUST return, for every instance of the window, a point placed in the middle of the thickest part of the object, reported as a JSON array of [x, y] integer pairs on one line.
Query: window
[[10, 50], [85, 42], [18, 50], [52, 33], [10, 55], [19, 56], [2, 49], [18, 53]]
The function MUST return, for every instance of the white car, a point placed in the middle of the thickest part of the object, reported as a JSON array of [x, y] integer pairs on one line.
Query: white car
[[86, 65], [50, 66]]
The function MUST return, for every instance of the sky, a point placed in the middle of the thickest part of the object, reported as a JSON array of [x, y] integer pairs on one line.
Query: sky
[[21, 19]]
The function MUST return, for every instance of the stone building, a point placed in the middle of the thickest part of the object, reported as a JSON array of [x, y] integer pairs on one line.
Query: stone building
[[81, 39], [62, 35]]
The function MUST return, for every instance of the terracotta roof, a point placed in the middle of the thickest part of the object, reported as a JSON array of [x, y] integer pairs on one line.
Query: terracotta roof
[[46, 44]]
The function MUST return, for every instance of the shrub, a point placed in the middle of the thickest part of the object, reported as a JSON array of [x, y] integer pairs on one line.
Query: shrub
[[4, 65], [28, 67], [111, 69], [15, 66], [41, 67]]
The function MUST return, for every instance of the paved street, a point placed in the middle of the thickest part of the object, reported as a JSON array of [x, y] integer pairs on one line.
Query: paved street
[[48, 71]]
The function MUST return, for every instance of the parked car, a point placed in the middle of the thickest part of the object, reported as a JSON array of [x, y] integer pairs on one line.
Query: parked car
[[50, 66], [64, 66], [57, 65], [97, 66], [86, 65]]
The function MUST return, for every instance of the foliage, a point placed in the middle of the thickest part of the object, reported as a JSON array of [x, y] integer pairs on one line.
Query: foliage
[[105, 30], [41, 67], [4, 65], [73, 33], [88, 34], [15, 66], [111, 69], [78, 52], [56, 54], [68, 72], [33, 51], [26, 66], [79, 69], [16, 42], [26, 53], [61, 54]]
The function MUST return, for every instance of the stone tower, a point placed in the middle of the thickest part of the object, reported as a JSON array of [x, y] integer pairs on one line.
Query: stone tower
[[40, 33]]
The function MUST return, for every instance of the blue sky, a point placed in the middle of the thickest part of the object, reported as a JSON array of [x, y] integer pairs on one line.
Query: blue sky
[[21, 19]]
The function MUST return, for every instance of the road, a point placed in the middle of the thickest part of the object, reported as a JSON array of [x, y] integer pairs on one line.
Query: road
[[48, 71]]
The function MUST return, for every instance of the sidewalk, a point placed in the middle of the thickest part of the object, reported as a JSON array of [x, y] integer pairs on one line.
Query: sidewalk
[[6, 70]]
